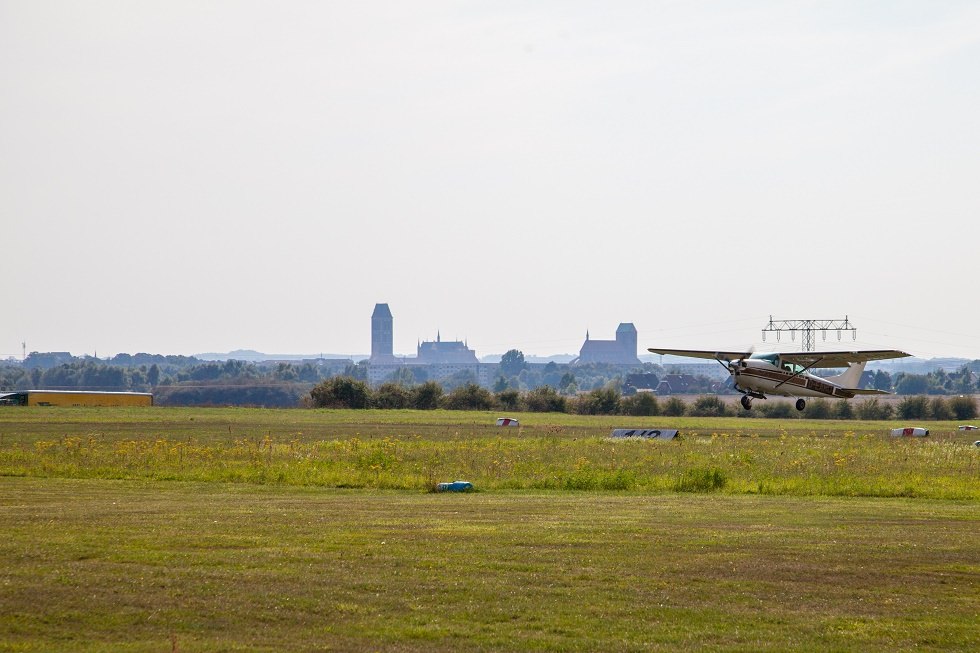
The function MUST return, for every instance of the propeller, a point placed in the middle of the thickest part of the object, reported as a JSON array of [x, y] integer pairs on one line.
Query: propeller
[[734, 364]]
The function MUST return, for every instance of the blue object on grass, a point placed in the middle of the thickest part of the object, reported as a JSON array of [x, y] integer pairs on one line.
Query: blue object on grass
[[455, 486]]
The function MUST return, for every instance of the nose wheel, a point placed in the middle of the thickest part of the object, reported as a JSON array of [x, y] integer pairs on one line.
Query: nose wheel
[[746, 402], [800, 404]]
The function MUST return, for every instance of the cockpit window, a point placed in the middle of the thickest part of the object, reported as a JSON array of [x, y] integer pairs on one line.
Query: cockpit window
[[772, 359]]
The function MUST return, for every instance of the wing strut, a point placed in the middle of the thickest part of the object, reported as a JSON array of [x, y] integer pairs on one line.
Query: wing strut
[[796, 374]]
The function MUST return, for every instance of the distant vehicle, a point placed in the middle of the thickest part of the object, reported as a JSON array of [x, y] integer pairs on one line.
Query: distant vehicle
[[786, 374], [967, 427]]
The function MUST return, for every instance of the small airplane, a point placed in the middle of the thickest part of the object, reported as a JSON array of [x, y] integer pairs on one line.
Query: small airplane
[[787, 374]]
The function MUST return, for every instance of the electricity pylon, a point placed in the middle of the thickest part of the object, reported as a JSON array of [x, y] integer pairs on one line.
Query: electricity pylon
[[807, 328]]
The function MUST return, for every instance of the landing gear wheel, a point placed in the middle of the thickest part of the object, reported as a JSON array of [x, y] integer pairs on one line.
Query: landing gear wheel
[[746, 402], [800, 404]]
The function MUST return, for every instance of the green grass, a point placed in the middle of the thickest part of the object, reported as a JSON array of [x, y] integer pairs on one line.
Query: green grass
[[236, 529], [126, 566], [415, 450]]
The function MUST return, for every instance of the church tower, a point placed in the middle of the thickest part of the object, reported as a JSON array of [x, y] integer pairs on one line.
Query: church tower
[[382, 333], [626, 337]]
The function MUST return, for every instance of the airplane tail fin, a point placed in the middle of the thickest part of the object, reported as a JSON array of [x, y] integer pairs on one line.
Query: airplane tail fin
[[851, 377]]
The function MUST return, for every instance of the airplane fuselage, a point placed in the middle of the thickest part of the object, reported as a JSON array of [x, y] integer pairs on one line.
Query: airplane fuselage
[[760, 377]]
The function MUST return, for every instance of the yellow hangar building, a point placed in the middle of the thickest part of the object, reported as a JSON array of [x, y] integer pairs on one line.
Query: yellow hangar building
[[75, 398]]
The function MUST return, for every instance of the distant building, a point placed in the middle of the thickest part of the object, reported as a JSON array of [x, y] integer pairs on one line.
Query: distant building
[[438, 359], [440, 353], [382, 335], [676, 384], [642, 381], [621, 351]]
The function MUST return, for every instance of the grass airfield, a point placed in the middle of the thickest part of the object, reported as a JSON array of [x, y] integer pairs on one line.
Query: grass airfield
[[231, 529]]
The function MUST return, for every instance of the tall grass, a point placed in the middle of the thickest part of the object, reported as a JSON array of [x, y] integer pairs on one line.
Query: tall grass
[[737, 463]]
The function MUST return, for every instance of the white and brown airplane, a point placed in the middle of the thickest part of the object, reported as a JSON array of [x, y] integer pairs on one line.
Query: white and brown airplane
[[787, 374]]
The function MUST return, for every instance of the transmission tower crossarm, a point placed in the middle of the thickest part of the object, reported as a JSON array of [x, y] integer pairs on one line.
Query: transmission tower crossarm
[[807, 328]]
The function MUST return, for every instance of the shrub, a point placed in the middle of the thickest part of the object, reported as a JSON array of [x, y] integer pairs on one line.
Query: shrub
[[425, 396], [843, 410], [640, 404], [817, 409], [509, 399], [963, 407], [390, 395], [709, 406], [939, 409], [469, 397], [777, 410], [603, 401], [545, 400], [913, 408], [341, 392], [872, 409], [675, 407]]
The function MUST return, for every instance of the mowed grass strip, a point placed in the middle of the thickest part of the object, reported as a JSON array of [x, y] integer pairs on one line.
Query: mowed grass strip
[[27, 424], [415, 450], [151, 566]]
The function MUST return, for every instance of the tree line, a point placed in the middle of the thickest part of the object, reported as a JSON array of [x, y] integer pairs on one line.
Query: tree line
[[182, 380], [349, 392]]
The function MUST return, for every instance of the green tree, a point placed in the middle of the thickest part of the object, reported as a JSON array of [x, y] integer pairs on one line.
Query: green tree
[[286, 372], [911, 384], [882, 380], [567, 384], [459, 379], [404, 376], [357, 371], [153, 374], [512, 362]]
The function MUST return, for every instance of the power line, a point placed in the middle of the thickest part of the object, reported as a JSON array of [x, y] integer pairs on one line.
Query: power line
[[807, 329]]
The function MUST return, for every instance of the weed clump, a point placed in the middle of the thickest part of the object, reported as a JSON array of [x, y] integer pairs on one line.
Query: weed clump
[[701, 479]]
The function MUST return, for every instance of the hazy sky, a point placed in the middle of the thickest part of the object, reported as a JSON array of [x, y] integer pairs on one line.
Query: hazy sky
[[184, 177]]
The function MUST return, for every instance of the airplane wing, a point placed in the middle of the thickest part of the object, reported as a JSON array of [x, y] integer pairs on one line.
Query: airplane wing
[[817, 359], [810, 359], [699, 353]]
